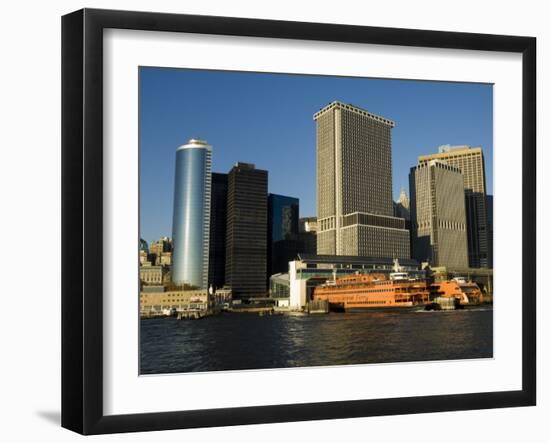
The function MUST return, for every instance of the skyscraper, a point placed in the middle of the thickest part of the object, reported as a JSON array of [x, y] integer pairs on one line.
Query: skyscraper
[[471, 162], [191, 218], [218, 226], [438, 216], [490, 229], [401, 208], [354, 185], [282, 232], [246, 242]]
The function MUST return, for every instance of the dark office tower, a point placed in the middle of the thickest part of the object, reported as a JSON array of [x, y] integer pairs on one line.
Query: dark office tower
[[246, 241], [218, 224], [283, 244], [471, 162], [490, 229]]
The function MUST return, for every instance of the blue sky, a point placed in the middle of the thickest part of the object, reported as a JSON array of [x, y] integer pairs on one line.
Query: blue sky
[[267, 119]]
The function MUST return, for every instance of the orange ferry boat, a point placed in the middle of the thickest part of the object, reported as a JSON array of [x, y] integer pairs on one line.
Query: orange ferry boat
[[367, 291], [465, 292]]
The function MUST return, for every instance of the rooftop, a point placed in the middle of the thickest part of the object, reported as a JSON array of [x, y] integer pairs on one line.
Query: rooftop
[[354, 260], [438, 163], [446, 151], [348, 107], [195, 143]]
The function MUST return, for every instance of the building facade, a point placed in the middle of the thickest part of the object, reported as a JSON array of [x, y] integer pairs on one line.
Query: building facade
[[402, 208], [438, 215], [161, 251], [308, 235], [154, 275], [161, 245], [191, 217], [490, 229], [354, 185], [246, 234], [283, 243], [144, 256], [157, 300], [218, 225], [307, 224], [471, 162]]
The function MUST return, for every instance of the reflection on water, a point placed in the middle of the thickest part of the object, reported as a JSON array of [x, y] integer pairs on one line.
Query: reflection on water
[[247, 341]]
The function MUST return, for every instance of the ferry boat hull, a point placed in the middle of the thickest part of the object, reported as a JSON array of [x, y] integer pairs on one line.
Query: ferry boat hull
[[368, 292]]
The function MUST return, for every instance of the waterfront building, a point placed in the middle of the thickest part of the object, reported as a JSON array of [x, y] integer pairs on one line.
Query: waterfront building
[[438, 215], [311, 270], [218, 225], [354, 185], [154, 275], [283, 243], [471, 162], [157, 300], [191, 218], [246, 234]]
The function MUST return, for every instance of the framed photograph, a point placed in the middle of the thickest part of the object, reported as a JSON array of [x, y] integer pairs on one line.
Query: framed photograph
[[268, 221]]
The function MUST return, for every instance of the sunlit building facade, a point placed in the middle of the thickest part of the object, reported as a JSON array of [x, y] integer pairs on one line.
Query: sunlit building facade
[[438, 215], [471, 163], [354, 185]]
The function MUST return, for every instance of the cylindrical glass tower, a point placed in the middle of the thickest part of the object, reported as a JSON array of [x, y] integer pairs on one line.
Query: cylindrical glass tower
[[191, 220]]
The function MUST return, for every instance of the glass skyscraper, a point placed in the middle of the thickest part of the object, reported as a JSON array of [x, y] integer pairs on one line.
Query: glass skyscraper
[[282, 230], [191, 219]]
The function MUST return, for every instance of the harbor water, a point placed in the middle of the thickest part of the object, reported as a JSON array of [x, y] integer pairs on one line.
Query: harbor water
[[246, 341]]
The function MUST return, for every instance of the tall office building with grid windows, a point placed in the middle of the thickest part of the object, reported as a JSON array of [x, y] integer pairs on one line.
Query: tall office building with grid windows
[[354, 185], [438, 216], [471, 163]]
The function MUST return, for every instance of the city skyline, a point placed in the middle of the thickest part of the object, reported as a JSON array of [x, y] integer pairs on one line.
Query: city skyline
[[266, 119]]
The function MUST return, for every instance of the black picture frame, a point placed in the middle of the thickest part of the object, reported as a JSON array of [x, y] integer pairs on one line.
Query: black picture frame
[[82, 218]]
